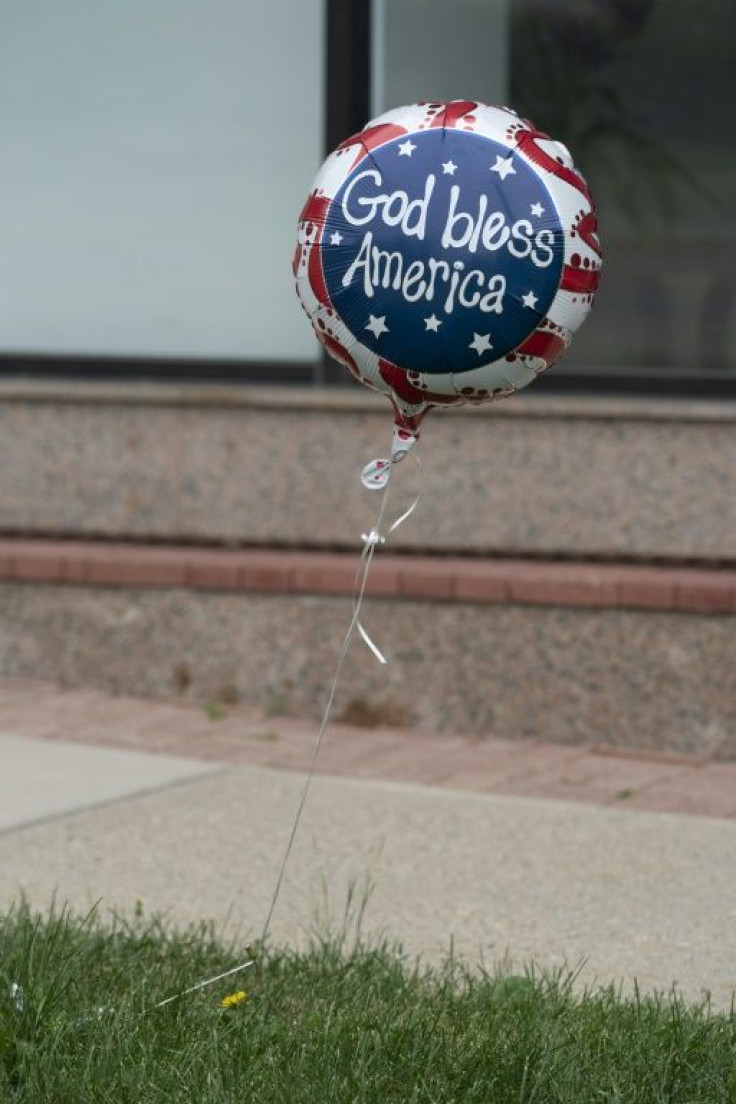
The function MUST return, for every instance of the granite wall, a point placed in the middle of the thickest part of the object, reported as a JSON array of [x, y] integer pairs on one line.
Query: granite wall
[[534, 475], [665, 681]]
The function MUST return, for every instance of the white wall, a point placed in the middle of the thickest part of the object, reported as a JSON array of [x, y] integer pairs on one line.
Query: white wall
[[154, 157]]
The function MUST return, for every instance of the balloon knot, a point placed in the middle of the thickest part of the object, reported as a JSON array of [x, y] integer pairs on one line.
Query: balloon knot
[[373, 538]]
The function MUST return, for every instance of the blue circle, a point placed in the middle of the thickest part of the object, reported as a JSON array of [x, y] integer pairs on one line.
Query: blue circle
[[442, 251]]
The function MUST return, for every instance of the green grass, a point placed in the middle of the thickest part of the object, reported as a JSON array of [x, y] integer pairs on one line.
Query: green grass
[[338, 1023], [215, 710]]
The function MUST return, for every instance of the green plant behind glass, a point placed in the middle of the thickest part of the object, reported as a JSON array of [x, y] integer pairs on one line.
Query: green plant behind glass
[[564, 78]]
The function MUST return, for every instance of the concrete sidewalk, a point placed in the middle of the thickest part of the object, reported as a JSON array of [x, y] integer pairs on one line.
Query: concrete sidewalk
[[510, 878], [41, 780]]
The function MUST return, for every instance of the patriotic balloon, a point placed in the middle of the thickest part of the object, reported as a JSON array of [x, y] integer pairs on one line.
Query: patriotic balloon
[[447, 254]]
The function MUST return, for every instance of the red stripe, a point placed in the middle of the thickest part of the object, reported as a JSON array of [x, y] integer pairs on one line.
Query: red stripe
[[315, 209], [526, 140], [549, 347], [397, 379], [583, 280], [372, 137], [317, 277], [409, 422], [452, 113], [339, 352], [587, 230]]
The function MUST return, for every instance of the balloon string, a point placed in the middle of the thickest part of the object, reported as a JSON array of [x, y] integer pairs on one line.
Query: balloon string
[[371, 542], [208, 981]]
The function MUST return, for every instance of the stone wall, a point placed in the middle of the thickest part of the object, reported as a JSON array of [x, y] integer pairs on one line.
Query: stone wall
[[664, 681], [535, 475], [538, 477]]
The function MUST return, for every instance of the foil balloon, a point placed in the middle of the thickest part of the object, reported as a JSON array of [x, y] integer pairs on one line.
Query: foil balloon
[[447, 254]]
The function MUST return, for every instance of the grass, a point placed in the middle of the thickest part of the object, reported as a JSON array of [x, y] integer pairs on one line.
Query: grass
[[339, 1023], [215, 710]]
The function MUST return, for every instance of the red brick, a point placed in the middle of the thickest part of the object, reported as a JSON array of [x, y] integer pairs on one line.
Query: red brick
[[650, 755], [426, 578], [587, 778], [6, 559], [706, 592], [37, 560], [562, 585], [76, 558], [360, 752], [528, 582], [83, 559], [420, 577], [267, 571], [707, 792], [384, 577], [648, 587], [214, 569], [38, 566], [481, 582], [324, 573], [132, 565], [590, 592]]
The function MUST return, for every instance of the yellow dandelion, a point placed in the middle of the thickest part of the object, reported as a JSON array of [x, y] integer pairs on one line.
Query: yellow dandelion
[[232, 1000]]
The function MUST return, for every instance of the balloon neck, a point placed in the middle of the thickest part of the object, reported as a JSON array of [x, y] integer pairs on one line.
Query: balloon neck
[[408, 422]]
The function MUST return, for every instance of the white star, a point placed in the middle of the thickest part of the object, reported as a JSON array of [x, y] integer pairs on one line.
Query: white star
[[406, 148], [432, 323], [503, 166], [335, 238], [377, 326], [537, 209], [448, 167], [529, 300], [481, 343]]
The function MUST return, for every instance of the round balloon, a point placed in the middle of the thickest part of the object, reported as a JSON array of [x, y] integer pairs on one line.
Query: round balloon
[[447, 254]]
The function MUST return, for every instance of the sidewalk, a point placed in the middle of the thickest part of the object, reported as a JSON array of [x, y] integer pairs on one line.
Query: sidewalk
[[530, 866], [238, 735]]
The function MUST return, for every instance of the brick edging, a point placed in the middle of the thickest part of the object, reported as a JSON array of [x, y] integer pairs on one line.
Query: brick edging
[[433, 578]]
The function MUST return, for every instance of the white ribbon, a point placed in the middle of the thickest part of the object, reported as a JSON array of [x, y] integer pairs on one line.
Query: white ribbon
[[373, 539]]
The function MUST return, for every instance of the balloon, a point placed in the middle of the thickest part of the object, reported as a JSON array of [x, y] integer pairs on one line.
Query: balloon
[[447, 254]]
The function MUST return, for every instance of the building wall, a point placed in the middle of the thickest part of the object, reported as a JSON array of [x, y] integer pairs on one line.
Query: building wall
[[623, 678], [536, 475], [621, 654]]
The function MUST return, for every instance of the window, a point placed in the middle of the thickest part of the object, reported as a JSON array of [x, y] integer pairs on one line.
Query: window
[[154, 158], [644, 94]]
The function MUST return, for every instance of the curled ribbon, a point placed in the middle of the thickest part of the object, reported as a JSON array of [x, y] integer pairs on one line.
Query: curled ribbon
[[373, 539]]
